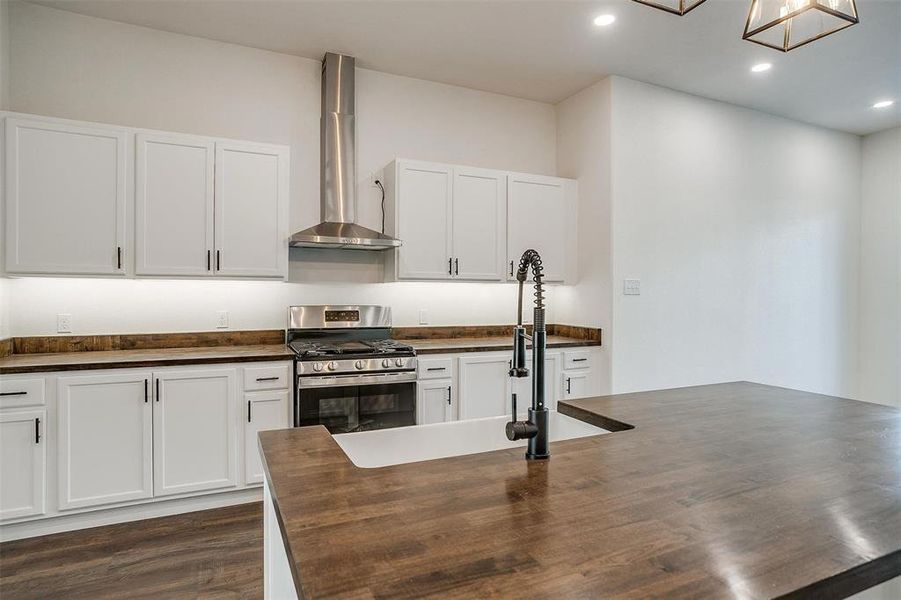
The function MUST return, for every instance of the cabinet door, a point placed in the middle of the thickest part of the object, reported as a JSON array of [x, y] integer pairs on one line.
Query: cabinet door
[[523, 386], [265, 410], [484, 386], [424, 215], [23, 463], [434, 401], [173, 205], [577, 384], [536, 218], [194, 430], [65, 198], [479, 223], [105, 435], [251, 210]]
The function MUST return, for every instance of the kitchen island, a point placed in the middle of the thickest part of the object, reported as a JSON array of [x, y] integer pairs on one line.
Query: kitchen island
[[727, 490]]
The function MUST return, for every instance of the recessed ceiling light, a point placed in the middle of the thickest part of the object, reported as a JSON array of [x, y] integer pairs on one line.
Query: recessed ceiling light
[[883, 104], [604, 20], [761, 67]]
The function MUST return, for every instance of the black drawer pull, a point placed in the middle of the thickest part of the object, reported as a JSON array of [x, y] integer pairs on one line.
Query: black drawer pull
[[568, 385], [249, 418], [157, 389], [448, 395], [37, 431], [145, 391], [579, 359], [267, 378], [13, 393], [118, 257], [436, 369]]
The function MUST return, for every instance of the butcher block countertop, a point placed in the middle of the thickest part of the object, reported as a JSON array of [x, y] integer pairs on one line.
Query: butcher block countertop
[[727, 490], [489, 344], [119, 359]]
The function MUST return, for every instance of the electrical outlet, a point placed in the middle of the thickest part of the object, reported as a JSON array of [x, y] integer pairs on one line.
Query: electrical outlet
[[423, 316], [631, 287], [222, 319], [63, 323]]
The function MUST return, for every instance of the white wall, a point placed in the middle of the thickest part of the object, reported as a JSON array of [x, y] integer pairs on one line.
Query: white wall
[[744, 231], [584, 152], [880, 274], [72, 66]]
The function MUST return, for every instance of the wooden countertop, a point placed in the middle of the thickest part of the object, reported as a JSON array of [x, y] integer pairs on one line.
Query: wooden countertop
[[489, 344], [719, 491], [120, 359]]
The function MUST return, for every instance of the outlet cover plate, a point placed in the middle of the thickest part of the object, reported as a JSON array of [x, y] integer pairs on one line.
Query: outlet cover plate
[[63, 323], [631, 287], [222, 319]]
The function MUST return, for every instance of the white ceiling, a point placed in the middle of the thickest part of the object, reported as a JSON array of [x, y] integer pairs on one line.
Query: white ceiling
[[547, 50]]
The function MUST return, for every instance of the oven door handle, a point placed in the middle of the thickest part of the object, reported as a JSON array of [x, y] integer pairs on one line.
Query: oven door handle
[[321, 381]]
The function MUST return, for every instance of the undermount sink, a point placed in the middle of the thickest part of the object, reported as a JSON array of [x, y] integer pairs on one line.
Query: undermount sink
[[385, 447]]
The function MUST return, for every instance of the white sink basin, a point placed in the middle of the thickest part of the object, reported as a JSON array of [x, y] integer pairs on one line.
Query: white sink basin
[[385, 447]]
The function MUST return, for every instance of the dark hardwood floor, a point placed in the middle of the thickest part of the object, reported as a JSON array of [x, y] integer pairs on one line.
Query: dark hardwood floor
[[207, 554]]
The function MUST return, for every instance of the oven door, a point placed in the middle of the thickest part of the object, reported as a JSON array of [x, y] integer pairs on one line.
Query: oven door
[[348, 403]]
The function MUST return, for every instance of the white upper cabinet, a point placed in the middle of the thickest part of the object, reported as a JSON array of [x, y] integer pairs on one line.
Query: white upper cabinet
[[538, 216], [424, 213], [194, 430], [65, 198], [469, 224], [173, 205], [105, 437], [251, 210], [479, 223]]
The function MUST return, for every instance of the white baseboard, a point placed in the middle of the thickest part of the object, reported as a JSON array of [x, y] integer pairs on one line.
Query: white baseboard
[[124, 514]]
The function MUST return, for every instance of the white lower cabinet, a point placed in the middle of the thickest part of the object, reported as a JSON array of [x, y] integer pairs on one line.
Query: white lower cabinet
[[23, 463], [265, 410], [485, 387], [104, 438], [194, 430], [577, 384], [523, 386], [434, 401]]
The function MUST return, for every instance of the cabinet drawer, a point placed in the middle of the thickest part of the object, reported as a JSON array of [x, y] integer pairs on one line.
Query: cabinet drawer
[[273, 377], [21, 392], [435, 368], [576, 359]]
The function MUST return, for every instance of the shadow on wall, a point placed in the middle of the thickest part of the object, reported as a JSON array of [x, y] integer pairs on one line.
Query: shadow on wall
[[312, 265]]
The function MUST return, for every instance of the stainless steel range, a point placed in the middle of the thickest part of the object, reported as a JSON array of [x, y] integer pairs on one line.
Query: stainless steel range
[[351, 376]]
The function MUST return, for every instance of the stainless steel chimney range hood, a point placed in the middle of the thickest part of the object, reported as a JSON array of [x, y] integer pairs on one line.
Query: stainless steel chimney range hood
[[337, 185]]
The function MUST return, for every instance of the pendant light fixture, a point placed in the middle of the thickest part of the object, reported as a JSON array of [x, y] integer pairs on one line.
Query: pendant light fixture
[[677, 7], [788, 24]]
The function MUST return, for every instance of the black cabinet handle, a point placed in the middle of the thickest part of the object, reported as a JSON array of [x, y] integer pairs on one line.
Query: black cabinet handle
[[456, 266], [267, 378], [249, 418], [13, 393], [208, 260], [145, 391], [118, 257], [511, 268], [579, 359], [157, 389], [218, 267], [448, 395], [37, 430], [450, 264], [568, 385], [436, 369]]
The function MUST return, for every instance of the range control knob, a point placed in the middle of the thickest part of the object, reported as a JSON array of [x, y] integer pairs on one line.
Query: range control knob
[[317, 366], [386, 363], [399, 362], [332, 365], [360, 364]]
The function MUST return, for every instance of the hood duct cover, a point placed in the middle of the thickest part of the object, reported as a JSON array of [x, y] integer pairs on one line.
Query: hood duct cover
[[337, 182]]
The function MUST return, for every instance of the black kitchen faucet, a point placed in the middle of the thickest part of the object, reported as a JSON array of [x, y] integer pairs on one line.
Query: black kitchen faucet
[[535, 428]]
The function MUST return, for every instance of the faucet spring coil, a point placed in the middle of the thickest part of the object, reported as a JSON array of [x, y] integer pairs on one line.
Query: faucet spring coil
[[532, 258]]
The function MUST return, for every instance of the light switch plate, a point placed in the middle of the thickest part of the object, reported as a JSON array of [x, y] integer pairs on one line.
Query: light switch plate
[[63, 323], [222, 319], [423, 316], [631, 287]]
